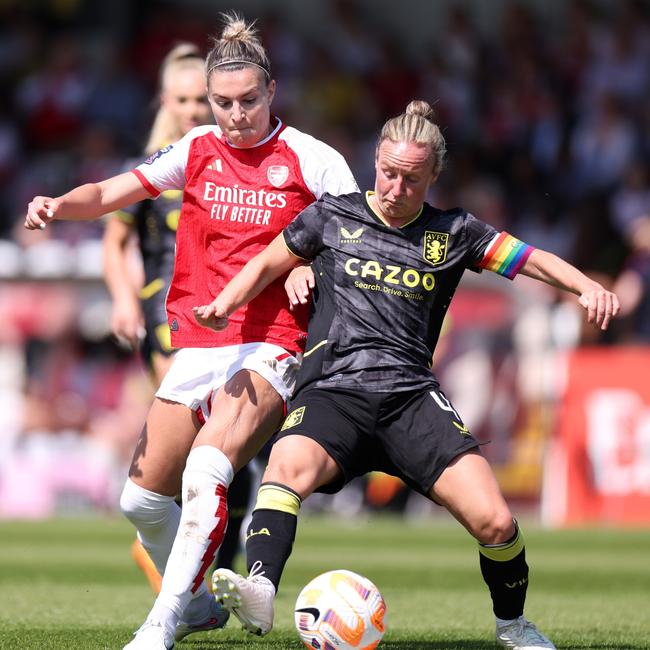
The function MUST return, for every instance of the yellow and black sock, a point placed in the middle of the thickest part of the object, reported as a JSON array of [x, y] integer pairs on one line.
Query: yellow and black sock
[[505, 572], [270, 535]]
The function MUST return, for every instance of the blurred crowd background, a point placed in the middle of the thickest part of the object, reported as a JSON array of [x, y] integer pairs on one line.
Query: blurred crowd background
[[545, 107]]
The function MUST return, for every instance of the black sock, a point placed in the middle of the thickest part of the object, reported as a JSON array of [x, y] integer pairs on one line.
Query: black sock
[[270, 535], [505, 572]]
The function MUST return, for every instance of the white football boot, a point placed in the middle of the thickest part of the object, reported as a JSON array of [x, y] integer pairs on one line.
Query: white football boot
[[216, 618], [249, 599], [151, 636], [521, 634]]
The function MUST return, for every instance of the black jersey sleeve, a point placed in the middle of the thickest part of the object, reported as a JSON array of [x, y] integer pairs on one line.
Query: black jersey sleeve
[[304, 235], [495, 251], [478, 236]]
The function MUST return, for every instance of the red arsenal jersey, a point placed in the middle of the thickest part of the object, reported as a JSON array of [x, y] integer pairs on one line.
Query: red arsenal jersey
[[235, 202]]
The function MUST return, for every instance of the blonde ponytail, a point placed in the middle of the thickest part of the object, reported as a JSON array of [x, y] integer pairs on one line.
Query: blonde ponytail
[[165, 128]]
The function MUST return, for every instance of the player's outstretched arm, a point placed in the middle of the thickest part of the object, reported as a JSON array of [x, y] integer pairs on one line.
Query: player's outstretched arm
[[601, 305], [256, 275], [86, 202]]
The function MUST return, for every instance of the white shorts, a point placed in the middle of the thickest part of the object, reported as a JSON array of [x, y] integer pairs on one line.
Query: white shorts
[[197, 373]]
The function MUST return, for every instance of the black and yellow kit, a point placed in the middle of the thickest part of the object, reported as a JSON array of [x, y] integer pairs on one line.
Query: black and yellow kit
[[366, 391], [155, 223], [381, 292]]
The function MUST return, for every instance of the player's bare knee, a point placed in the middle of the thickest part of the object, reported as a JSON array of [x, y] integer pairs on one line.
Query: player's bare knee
[[496, 528], [491, 524], [287, 471]]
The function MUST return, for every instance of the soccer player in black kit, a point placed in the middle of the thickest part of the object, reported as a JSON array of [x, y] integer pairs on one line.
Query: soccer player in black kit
[[386, 266]]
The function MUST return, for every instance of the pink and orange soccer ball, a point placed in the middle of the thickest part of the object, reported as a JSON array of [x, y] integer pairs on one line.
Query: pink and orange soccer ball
[[340, 610]]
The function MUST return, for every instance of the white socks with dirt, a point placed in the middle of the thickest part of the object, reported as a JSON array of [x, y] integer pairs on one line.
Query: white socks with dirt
[[204, 516]]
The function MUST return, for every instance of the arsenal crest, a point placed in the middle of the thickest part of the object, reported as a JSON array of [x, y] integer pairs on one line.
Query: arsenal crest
[[435, 247], [277, 175]]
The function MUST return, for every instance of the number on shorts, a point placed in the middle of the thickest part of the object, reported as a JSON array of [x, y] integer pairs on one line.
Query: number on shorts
[[442, 401]]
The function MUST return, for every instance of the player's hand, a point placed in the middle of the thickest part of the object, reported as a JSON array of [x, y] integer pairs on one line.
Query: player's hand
[[601, 306], [127, 323], [211, 316], [298, 285], [40, 211]]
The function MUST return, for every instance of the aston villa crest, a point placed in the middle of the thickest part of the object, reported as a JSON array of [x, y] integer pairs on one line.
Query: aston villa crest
[[277, 175], [435, 247], [294, 418]]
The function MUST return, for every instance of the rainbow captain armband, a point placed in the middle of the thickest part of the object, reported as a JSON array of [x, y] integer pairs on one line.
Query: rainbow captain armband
[[505, 255]]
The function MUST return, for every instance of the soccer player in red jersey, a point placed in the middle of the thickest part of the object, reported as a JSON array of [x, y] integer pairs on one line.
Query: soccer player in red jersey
[[243, 181], [140, 318]]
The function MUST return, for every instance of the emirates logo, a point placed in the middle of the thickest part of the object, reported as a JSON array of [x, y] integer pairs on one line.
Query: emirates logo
[[277, 175]]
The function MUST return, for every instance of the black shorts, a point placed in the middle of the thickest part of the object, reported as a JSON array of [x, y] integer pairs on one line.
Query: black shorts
[[413, 435]]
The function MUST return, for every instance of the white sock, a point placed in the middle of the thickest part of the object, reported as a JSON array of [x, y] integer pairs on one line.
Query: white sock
[[204, 516], [155, 517], [505, 621]]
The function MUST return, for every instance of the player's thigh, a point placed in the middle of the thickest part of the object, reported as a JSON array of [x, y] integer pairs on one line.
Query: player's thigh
[[302, 464], [469, 490], [420, 434], [245, 413], [162, 449], [326, 429]]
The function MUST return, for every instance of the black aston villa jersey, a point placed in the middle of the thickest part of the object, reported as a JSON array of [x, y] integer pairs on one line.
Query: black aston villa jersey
[[381, 292], [156, 223]]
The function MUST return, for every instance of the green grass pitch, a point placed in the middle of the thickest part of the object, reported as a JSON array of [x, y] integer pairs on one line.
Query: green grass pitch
[[70, 584]]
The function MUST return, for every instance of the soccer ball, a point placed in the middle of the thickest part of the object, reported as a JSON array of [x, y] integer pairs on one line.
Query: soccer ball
[[340, 610]]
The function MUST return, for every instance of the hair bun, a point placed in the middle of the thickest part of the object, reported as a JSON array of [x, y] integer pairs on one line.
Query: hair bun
[[421, 108], [237, 46]]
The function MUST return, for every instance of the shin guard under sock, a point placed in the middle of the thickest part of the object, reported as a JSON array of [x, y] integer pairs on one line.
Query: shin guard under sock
[[505, 572], [204, 516], [272, 530]]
